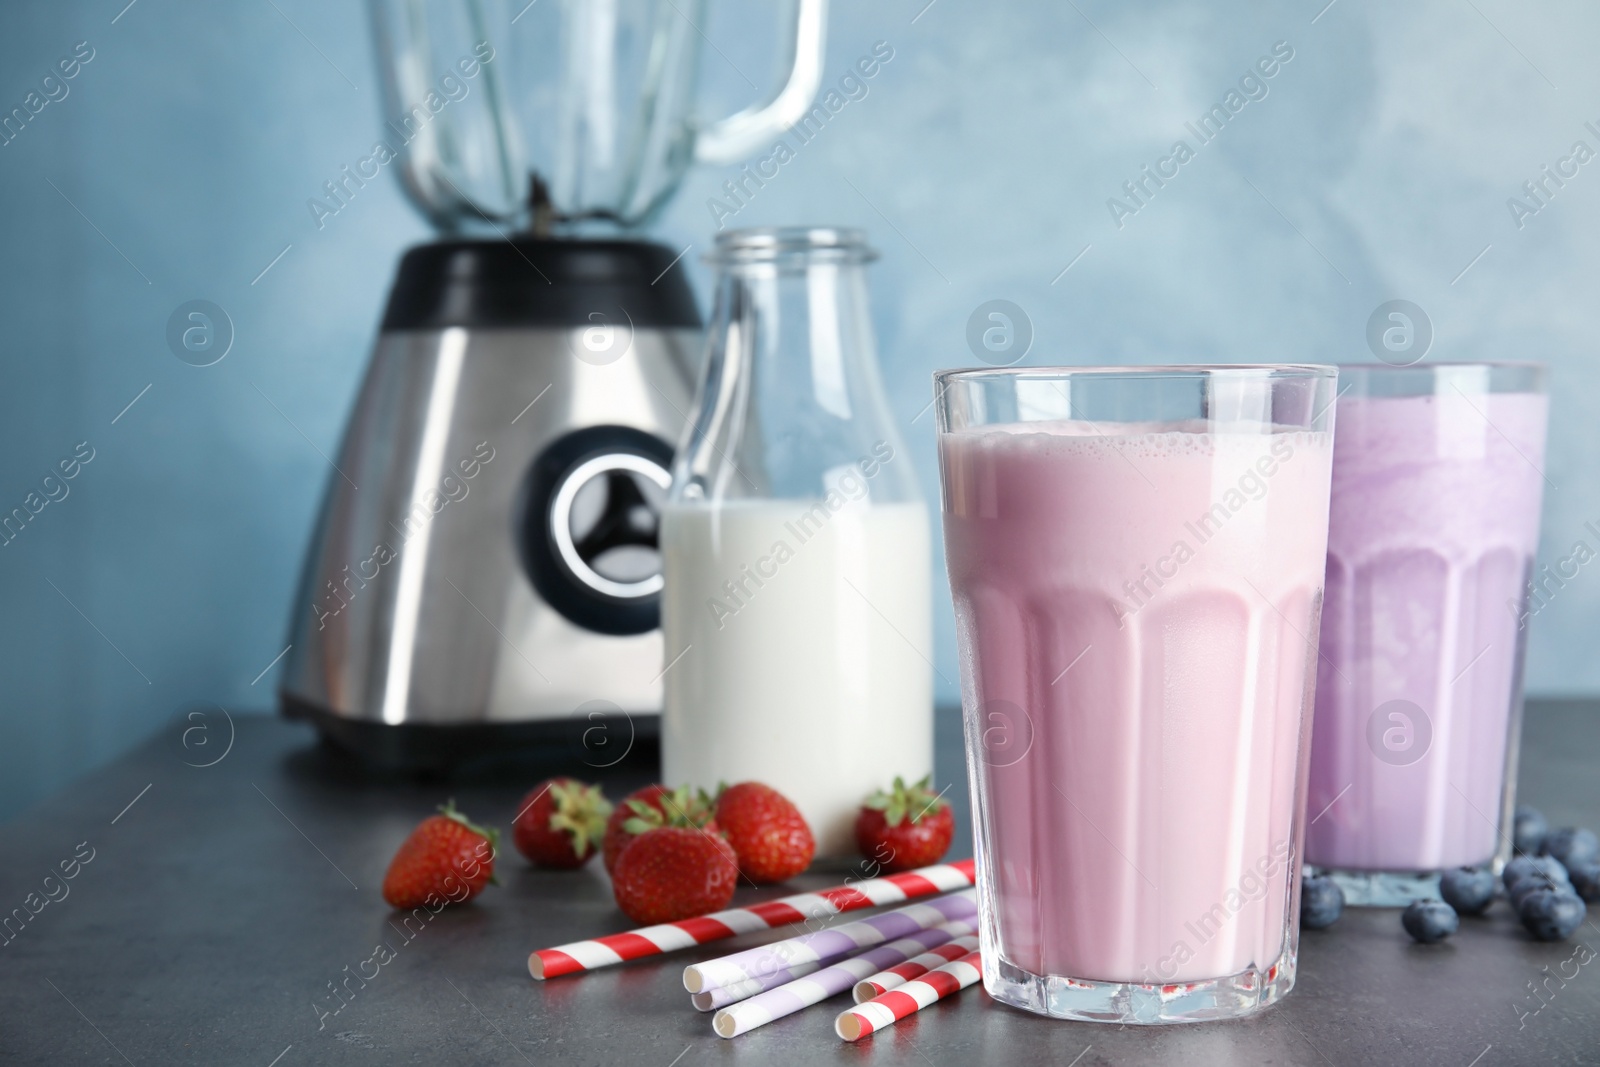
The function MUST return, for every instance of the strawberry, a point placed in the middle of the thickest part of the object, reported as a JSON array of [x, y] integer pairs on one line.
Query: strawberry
[[649, 808], [906, 827], [560, 823], [635, 805], [766, 830], [674, 872], [446, 859]]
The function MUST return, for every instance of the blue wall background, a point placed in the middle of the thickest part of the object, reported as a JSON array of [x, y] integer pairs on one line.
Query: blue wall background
[[1378, 166]]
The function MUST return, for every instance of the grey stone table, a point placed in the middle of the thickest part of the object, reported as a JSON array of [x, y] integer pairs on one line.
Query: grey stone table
[[219, 902]]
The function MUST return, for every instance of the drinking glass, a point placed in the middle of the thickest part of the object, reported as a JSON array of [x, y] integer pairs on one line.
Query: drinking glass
[[1136, 558], [1437, 480]]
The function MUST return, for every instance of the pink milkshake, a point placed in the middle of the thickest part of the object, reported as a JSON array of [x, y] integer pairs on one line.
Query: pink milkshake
[[1137, 609], [1434, 524]]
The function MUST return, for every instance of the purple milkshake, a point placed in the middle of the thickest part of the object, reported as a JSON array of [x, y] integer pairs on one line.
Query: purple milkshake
[[1437, 481]]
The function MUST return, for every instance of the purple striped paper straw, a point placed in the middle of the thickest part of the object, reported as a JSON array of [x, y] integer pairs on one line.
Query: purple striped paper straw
[[712, 999], [736, 1019], [825, 946], [920, 941]]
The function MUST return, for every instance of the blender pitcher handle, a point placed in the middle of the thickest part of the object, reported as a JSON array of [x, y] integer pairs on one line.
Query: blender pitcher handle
[[739, 135]]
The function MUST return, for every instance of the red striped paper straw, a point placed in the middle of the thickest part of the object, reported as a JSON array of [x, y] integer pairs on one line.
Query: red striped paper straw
[[896, 1004], [669, 937], [893, 977]]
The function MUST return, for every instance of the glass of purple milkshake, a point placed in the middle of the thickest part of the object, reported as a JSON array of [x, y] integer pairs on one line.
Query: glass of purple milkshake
[[1438, 474]]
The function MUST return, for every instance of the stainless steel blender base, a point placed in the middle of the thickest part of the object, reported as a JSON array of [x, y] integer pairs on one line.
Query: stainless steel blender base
[[484, 564]]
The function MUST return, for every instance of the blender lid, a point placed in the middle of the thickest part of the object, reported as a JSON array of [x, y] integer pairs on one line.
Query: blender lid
[[527, 281]]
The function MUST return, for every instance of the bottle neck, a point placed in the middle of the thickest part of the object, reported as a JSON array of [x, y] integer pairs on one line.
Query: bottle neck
[[791, 400]]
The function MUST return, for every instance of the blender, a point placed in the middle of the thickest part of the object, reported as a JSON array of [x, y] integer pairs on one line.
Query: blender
[[484, 570]]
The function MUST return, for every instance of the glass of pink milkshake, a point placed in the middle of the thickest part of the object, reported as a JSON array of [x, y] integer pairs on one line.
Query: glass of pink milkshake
[[1136, 557], [1437, 481]]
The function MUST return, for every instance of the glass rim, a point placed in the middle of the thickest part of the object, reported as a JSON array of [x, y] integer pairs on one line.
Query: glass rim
[[1156, 371], [768, 244], [1506, 377], [1445, 364], [1442, 363]]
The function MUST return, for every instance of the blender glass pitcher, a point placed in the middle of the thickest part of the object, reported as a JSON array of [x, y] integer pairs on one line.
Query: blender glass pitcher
[[546, 114]]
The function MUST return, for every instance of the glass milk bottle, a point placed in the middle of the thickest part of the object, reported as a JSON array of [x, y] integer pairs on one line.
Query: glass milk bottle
[[795, 545]]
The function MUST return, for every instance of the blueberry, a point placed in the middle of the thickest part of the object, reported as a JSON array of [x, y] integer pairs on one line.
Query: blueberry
[[1321, 902], [1428, 921], [1586, 881], [1467, 889], [1529, 828], [1522, 866], [1538, 882], [1572, 846], [1551, 915]]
